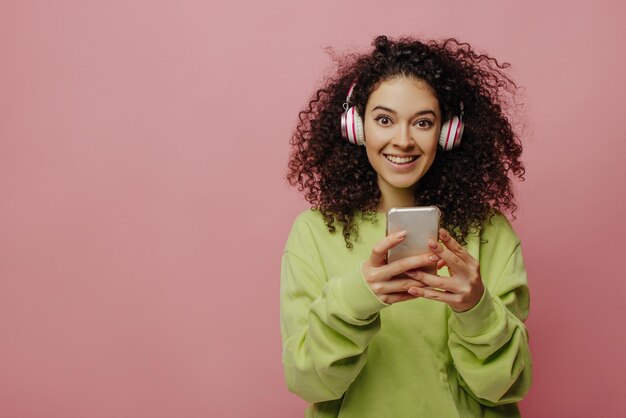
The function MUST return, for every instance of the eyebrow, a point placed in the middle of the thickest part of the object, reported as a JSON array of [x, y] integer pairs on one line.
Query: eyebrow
[[420, 113]]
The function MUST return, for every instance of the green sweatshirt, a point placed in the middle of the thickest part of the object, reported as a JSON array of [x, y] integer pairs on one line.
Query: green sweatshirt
[[351, 355]]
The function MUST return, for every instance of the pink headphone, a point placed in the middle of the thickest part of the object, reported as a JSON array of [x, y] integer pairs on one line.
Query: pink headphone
[[352, 126]]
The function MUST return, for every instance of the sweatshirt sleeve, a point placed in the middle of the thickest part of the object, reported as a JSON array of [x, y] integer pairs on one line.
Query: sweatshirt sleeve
[[489, 343], [326, 325]]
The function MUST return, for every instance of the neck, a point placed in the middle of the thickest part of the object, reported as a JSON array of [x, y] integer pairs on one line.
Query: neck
[[395, 198]]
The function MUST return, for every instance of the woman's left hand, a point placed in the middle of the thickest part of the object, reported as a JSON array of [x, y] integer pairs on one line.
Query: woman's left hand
[[464, 288]]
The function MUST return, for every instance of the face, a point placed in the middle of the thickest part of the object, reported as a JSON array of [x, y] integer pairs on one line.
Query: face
[[401, 124]]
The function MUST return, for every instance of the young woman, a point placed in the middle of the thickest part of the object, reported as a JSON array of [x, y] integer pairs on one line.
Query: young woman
[[409, 124]]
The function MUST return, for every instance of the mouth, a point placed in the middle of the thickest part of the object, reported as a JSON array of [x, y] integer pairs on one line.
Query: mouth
[[401, 161]]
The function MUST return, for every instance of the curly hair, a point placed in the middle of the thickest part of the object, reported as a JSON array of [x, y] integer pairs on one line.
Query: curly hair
[[468, 184]]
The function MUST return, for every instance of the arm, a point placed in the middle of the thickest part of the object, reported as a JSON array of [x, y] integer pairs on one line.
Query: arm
[[327, 325], [489, 301], [489, 342], [326, 329]]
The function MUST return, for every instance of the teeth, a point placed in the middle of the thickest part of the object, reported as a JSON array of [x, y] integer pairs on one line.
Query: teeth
[[400, 160]]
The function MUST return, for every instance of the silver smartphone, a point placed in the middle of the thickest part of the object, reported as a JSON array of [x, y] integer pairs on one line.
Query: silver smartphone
[[421, 224]]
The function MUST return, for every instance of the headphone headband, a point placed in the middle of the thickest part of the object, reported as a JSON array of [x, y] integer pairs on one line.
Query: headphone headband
[[350, 91]]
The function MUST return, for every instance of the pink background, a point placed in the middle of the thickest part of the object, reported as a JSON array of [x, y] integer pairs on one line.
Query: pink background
[[143, 210]]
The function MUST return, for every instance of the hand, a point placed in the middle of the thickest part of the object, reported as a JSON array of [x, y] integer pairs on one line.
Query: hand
[[379, 275], [464, 288]]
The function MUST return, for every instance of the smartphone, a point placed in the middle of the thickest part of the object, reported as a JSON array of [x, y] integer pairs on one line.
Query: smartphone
[[421, 224]]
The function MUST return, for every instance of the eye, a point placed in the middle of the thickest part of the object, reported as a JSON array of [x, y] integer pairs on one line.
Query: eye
[[424, 123], [383, 120]]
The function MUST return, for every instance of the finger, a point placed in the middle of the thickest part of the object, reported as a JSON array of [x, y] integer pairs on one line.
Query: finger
[[378, 257], [453, 261], [383, 289], [413, 272], [440, 264], [453, 245], [400, 297], [409, 263], [441, 283], [395, 290], [424, 292]]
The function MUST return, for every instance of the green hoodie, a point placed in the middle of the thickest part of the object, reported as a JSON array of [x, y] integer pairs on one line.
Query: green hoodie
[[351, 355]]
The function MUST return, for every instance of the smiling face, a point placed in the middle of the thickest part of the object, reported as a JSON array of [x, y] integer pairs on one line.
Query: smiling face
[[401, 124]]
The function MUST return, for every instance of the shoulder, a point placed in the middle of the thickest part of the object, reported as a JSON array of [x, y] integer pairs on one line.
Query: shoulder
[[499, 228], [309, 216], [308, 227], [498, 238], [313, 221], [309, 220], [310, 230]]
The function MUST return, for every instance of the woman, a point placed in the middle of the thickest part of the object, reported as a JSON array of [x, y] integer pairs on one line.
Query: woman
[[366, 338]]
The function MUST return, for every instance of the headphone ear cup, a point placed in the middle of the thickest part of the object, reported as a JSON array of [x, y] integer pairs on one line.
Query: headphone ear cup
[[451, 133], [358, 124], [352, 127]]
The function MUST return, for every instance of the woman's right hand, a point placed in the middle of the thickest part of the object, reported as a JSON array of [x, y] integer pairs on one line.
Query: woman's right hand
[[379, 275]]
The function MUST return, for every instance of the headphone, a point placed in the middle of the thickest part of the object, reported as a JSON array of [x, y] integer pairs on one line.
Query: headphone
[[352, 126]]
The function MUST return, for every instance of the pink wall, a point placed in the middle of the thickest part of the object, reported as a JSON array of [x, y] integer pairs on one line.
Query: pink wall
[[143, 211]]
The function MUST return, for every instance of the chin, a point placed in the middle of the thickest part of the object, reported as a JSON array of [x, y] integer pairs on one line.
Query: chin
[[404, 183]]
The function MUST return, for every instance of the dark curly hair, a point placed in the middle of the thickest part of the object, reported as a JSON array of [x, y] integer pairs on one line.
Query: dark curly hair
[[468, 184]]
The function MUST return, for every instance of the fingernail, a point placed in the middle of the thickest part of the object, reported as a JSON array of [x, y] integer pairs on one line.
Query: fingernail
[[413, 291], [444, 233], [401, 234], [411, 273], [433, 257], [432, 243]]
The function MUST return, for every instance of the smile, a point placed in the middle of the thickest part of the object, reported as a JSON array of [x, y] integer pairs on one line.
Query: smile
[[401, 160]]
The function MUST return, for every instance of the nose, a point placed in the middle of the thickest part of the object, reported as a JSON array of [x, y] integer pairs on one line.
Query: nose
[[403, 138]]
